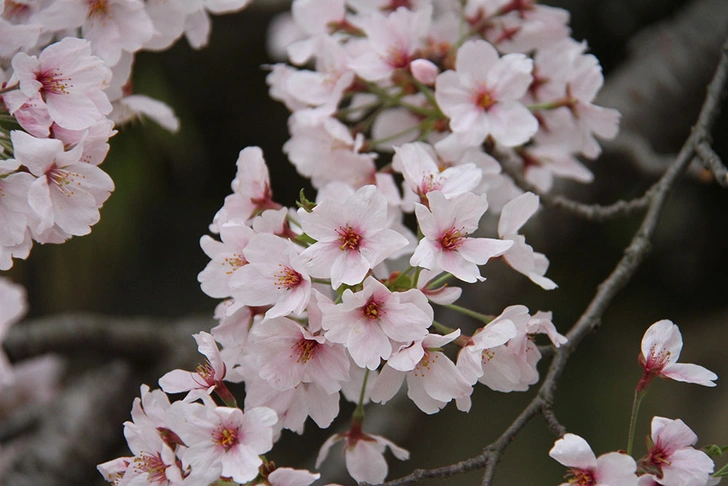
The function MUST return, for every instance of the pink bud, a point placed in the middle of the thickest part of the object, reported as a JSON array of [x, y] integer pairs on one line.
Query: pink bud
[[424, 71]]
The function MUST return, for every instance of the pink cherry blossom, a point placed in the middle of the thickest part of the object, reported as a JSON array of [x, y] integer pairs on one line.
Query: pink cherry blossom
[[154, 462], [67, 193], [14, 208], [364, 454], [661, 346], [325, 151], [206, 379], [275, 274], [513, 365], [222, 441], [368, 321], [65, 81], [287, 355], [286, 476], [521, 256], [351, 238], [251, 190], [446, 245], [432, 379], [423, 174], [481, 95], [295, 405], [585, 469], [676, 462], [112, 26], [391, 42], [226, 258]]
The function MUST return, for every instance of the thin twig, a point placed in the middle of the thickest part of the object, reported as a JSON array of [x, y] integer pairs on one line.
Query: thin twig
[[712, 162], [590, 212], [552, 421]]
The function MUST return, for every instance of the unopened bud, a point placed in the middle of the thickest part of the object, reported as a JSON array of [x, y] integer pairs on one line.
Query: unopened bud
[[424, 71]]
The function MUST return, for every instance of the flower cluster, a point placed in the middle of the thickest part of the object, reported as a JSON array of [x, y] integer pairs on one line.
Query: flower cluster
[[407, 110], [671, 459], [65, 80]]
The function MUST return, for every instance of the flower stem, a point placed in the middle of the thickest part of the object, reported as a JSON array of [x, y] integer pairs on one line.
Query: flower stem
[[439, 281], [639, 395], [477, 315], [358, 415], [442, 328]]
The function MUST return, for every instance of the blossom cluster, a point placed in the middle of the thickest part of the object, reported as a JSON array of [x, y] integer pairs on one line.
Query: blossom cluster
[[408, 111], [65, 81], [671, 459]]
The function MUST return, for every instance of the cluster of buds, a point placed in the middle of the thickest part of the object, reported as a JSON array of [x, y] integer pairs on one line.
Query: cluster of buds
[[65, 81]]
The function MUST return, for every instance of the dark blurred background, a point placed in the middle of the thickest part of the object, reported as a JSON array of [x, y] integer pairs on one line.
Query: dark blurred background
[[143, 257]]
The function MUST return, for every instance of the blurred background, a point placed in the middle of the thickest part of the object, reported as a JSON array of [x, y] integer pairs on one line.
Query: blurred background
[[143, 257]]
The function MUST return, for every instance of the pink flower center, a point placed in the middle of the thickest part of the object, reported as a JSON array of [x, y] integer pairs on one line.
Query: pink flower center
[[287, 278], [657, 360], [581, 477], [152, 465], [658, 457], [98, 7], [53, 82], [451, 239], [483, 98], [62, 179], [397, 57], [349, 238], [236, 261], [424, 365], [225, 437], [372, 310], [207, 373], [305, 349], [429, 184]]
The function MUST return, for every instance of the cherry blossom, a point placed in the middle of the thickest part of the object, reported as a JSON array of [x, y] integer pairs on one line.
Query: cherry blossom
[[391, 42], [67, 193], [673, 458], [275, 274], [368, 321], [661, 346], [112, 26], [251, 190], [325, 151], [287, 354], [432, 379], [521, 256], [222, 441], [351, 238], [65, 81], [286, 476], [295, 405], [154, 461], [227, 258], [422, 174], [446, 245], [364, 454], [481, 95], [14, 207], [206, 379], [585, 469]]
